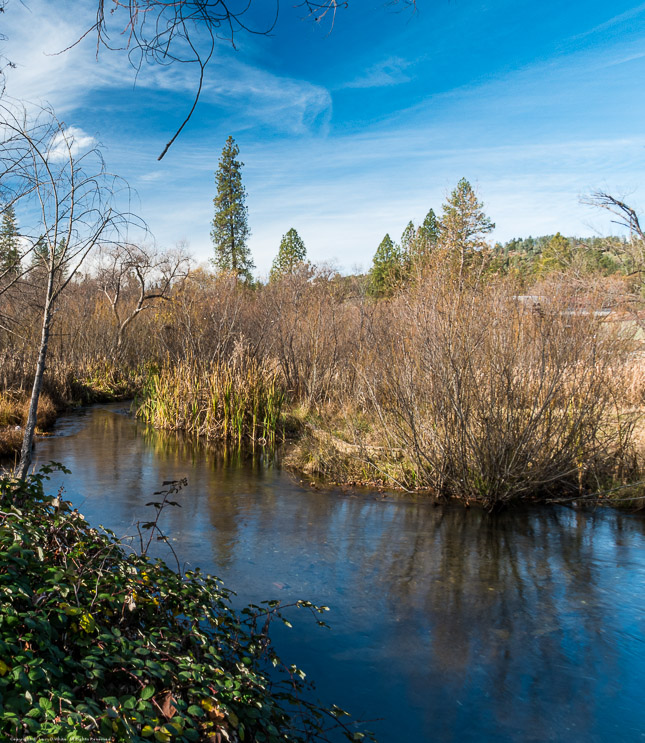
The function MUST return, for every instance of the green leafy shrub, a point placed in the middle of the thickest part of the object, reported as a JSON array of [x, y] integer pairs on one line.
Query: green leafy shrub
[[98, 641]]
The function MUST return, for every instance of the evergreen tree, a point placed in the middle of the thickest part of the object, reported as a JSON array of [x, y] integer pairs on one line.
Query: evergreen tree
[[556, 256], [230, 224], [425, 240], [463, 226], [408, 248], [386, 268], [428, 233], [9, 243], [291, 252], [407, 239]]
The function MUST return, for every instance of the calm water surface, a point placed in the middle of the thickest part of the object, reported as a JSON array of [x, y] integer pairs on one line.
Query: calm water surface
[[447, 624]]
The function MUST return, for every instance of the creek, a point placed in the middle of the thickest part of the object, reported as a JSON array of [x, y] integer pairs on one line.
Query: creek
[[447, 624]]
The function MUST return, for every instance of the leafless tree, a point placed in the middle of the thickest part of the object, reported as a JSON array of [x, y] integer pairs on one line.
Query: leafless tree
[[150, 275], [69, 200], [624, 215], [632, 252]]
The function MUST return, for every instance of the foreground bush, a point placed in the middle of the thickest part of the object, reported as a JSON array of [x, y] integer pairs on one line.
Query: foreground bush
[[100, 642]]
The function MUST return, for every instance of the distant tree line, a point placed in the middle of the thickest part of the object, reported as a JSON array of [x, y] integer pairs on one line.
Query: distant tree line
[[539, 256], [459, 233]]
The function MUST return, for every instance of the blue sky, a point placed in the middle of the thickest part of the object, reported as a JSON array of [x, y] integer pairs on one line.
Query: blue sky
[[349, 134]]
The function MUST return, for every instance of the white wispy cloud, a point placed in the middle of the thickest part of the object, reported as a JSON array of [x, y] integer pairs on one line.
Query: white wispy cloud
[[71, 141], [257, 96], [37, 33], [612, 22], [391, 71]]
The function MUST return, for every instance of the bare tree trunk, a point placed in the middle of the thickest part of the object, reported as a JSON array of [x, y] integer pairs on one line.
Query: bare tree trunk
[[71, 211], [30, 426]]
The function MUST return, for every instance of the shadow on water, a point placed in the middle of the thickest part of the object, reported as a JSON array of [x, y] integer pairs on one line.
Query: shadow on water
[[447, 624]]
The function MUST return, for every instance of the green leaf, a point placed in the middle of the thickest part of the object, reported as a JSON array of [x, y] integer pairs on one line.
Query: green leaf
[[148, 692], [87, 623]]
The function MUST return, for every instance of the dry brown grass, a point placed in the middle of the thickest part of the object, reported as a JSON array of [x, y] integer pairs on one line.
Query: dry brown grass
[[10, 441], [14, 407]]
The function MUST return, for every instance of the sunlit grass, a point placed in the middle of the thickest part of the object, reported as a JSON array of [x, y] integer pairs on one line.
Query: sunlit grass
[[239, 401]]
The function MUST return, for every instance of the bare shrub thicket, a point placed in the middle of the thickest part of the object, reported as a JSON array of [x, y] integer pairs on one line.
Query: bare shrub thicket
[[316, 333], [476, 393]]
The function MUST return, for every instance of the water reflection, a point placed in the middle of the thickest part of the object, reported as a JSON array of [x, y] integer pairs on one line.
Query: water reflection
[[451, 625]]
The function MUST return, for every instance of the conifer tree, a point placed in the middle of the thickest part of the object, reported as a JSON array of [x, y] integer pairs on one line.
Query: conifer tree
[[428, 233], [424, 240], [556, 256], [386, 269], [407, 249], [230, 224], [408, 238], [463, 226], [9, 243], [291, 252]]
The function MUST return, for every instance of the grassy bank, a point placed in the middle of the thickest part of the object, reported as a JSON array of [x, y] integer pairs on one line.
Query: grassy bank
[[98, 641]]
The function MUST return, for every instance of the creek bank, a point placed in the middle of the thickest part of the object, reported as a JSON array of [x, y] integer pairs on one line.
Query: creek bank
[[56, 399]]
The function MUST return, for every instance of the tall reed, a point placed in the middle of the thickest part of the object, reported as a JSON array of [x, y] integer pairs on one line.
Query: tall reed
[[237, 401]]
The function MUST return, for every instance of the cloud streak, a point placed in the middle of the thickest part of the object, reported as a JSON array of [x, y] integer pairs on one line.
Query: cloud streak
[[389, 72], [66, 80]]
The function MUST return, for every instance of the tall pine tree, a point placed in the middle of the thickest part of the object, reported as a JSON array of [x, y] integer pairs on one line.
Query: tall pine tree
[[386, 270], [291, 252], [230, 224], [9, 243], [463, 226]]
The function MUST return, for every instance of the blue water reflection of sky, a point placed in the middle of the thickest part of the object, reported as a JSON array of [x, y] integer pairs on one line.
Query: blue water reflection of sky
[[447, 624]]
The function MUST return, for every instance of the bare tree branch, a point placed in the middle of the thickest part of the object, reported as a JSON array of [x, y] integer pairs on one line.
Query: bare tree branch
[[185, 31], [625, 215]]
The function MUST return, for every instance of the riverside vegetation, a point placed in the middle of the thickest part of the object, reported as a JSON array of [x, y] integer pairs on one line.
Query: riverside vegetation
[[100, 642], [487, 374], [454, 387]]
